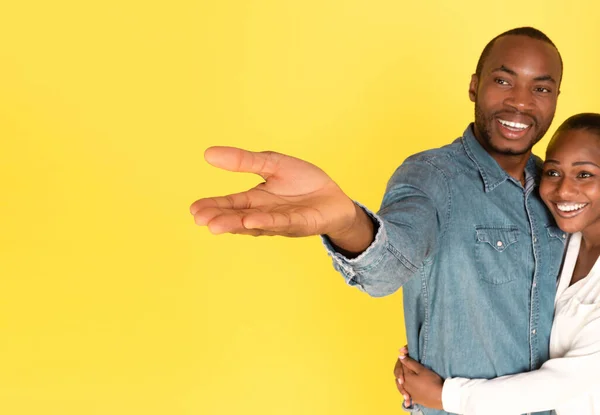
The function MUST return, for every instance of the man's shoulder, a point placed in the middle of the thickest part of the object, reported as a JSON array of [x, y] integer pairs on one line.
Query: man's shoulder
[[445, 158], [433, 169]]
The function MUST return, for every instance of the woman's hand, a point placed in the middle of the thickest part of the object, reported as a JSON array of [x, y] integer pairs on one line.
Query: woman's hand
[[423, 385]]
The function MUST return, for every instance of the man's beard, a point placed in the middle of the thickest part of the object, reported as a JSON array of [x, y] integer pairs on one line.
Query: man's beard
[[484, 125]]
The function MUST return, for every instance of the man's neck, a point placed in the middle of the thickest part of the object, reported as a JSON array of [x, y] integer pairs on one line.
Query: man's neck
[[514, 165]]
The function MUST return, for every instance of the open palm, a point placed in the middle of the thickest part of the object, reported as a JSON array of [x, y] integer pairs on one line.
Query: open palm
[[296, 199]]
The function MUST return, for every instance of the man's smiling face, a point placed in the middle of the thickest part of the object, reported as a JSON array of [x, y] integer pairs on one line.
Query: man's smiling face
[[515, 95]]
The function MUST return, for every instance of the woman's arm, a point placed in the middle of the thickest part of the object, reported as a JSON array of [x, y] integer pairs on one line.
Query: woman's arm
[[557, 381]]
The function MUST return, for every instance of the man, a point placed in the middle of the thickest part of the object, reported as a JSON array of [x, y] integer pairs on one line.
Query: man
[[461, 228]]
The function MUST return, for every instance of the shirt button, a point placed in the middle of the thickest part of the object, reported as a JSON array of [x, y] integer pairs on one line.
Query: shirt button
[[564, 235], [533, 331], [534, 284], [499, 243], [534, 239]]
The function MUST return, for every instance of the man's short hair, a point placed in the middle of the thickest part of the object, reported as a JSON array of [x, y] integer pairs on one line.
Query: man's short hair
[[520, 31]]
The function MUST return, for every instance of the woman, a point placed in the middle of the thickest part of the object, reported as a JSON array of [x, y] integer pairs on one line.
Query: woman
[[570, 381]]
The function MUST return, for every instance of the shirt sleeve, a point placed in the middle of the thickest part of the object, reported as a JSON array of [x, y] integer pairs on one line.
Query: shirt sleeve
[[556, 382], [410, 222]]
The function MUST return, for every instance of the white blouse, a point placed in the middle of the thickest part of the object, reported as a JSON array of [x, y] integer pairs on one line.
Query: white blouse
[[570, 381]]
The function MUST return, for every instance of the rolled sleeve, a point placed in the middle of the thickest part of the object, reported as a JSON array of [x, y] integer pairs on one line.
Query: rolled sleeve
[[352, 268], [409, 226]]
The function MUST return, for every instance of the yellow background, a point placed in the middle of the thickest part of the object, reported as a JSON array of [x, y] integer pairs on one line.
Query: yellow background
[[111, 300]]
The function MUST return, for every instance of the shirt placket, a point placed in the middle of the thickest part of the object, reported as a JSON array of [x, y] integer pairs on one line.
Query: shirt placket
[[534, 299]]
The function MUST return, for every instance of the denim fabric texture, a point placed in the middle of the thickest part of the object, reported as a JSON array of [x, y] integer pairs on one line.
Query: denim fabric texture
[[477, 255]]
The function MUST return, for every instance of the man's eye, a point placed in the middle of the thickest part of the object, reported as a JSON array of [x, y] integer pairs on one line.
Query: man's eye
[[552, 173], [543, 90], [501, 81]]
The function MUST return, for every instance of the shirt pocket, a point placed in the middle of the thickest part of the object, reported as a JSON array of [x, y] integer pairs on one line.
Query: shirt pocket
[[497, 254]]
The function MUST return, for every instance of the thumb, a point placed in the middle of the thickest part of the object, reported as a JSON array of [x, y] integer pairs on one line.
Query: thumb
[[411, 364], [239, 160]]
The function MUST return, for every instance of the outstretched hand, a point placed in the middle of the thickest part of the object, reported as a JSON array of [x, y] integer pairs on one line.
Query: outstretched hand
[[296, 199]]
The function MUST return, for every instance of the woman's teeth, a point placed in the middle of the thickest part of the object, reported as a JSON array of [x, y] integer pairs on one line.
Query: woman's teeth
[[570, 207]]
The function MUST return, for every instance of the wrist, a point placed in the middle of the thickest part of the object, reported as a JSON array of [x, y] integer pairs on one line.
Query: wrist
[[438, 402], [347, 224], [356, 234]]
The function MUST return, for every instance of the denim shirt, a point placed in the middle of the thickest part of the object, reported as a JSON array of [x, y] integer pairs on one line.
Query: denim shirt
[[477, 255]]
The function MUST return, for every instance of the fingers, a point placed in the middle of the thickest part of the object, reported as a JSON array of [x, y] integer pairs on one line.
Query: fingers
[[219, 221], [243, 221], [254, 210], [239, 160], [399, 375], [398, 369], [403, 351], [228, 213], [234, 201], [404, 393], [222, 214], [401, 354]]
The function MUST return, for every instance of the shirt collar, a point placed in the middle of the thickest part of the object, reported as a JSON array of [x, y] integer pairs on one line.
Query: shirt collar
[[490, 171]]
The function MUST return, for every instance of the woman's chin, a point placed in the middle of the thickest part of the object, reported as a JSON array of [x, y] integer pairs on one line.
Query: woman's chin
[[568, 226]]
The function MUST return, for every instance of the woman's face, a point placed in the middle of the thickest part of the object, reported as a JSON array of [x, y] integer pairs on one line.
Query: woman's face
[[570, 184]]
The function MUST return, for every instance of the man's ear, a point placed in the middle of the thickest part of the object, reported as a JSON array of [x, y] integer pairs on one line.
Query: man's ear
[[473, 87]]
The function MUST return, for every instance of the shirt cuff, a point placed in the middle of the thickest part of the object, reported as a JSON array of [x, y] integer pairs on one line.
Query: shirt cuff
[[372, 254]]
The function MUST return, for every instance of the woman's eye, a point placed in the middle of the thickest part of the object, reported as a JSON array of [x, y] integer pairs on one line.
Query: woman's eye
[[584, 175], [551, 173]]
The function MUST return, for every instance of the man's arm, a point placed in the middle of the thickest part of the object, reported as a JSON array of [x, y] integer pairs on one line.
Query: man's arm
[[412, 219], [377, 253]]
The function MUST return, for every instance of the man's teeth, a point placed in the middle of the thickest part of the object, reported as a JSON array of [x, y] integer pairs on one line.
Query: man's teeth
[[514, 125], [569, 207]]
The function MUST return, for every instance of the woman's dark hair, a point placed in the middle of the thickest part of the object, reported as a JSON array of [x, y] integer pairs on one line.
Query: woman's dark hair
[[588, 121]]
